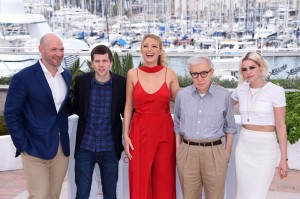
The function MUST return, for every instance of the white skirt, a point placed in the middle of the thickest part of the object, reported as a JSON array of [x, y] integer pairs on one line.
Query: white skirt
[[255, 161]]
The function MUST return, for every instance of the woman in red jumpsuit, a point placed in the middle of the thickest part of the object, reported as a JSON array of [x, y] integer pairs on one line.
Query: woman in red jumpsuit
[[148, 126]]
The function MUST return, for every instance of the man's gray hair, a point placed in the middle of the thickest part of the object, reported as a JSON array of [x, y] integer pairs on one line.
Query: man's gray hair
[[199, 59]]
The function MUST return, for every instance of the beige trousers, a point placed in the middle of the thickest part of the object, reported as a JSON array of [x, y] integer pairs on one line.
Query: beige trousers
[[44, 178], [199, 167]]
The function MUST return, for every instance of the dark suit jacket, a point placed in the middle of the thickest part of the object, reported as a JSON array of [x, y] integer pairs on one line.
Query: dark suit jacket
[[81, 107], [31, 117]]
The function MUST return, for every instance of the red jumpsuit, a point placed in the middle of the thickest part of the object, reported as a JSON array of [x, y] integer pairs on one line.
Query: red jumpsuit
[[153, 166]]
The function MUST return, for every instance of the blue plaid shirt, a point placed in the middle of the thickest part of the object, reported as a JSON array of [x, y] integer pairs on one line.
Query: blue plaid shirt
[[97, 134]]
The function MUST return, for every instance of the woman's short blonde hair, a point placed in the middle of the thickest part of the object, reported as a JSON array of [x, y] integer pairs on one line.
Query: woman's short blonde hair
[[162, 59], [258, 59]]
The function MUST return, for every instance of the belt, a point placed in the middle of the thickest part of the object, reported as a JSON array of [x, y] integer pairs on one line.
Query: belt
[[204, 144]]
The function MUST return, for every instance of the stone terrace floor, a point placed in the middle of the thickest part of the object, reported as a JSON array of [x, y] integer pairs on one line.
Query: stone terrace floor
[[13, 186]]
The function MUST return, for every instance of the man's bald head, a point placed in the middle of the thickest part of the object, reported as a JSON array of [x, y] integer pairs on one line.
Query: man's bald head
[[48, 38]]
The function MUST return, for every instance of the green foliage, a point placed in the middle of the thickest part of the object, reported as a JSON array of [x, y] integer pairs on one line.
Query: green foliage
[[140, 64], [293, 116], [293, 83], [225, 83], [76, 69], [3, 128], [117, 65], [186, 80], [121, 65], [5, 80], [127, 64], [89, 64]]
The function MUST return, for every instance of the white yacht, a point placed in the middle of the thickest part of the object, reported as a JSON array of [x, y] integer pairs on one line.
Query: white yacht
[[20, 37]]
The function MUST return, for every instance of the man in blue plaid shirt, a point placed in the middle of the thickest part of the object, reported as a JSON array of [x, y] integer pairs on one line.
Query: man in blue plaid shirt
[[99, 100]]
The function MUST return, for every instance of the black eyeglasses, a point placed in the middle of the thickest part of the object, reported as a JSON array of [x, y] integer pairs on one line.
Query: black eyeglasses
[[203, 74]]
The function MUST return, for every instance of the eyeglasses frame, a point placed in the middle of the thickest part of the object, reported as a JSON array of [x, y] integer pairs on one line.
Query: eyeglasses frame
[[202, 74]]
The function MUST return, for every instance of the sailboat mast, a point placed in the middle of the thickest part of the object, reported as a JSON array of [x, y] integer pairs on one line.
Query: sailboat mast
[[187, 18], [208, 16], [246, 15], [82, 4], [286, 15], [102, 8], [154, 17], [106, 17], [298, 22], [168, 13], [230, 16], [120, 13], [95, 6], [181, 14]]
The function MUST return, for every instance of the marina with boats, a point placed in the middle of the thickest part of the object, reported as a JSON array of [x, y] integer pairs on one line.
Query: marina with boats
[[222, 29]]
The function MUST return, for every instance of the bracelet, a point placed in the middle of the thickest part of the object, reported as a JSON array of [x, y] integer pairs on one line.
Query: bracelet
[[285, 158]]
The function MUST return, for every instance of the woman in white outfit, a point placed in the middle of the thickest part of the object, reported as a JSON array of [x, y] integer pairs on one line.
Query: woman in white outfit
[[262, 108]]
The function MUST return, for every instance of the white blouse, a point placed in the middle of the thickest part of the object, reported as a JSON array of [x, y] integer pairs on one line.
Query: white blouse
[[257, 105]]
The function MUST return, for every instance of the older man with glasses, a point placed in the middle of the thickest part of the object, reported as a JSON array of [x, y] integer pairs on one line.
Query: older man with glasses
[[203, 115]]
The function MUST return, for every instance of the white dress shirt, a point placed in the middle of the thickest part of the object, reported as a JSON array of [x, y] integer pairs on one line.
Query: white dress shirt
[[57, 85]]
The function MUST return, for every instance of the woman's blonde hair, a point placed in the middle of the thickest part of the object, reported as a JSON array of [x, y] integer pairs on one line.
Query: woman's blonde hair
[[258, 59], [162, 59]]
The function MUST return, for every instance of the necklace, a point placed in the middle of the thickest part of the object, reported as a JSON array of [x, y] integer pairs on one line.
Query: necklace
[[253, 94], [252, 101]]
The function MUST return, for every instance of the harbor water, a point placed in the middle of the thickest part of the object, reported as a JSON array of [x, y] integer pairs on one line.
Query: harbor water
[[281, 65]]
